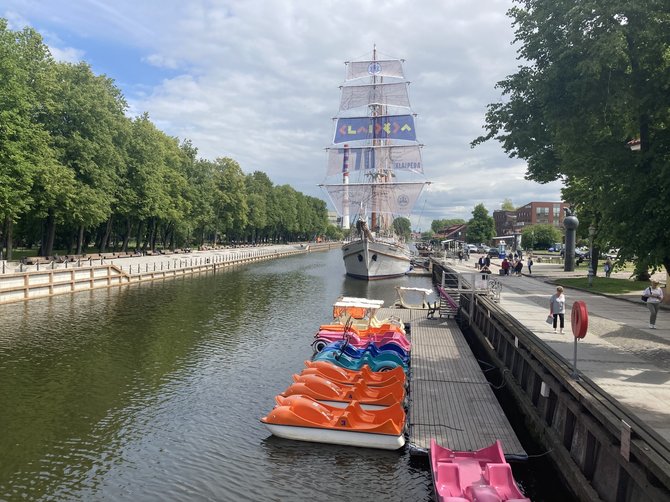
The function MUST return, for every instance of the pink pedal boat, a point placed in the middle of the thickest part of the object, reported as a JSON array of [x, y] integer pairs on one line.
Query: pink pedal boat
[[469, 476]]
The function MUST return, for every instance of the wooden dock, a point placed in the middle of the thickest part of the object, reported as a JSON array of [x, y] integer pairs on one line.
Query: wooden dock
[[450, 398]]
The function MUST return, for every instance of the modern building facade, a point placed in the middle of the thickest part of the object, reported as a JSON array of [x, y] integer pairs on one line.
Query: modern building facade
[[533, 213]]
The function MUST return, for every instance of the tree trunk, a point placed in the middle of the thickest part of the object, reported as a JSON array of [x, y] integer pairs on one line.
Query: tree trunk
[[105, 236], [152, 235], [80, 239], [50, 232], [126, 235], [140, 241], [9, 226]]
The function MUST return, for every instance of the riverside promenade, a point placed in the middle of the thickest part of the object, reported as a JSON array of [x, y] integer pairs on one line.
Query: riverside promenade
[[620, 354]]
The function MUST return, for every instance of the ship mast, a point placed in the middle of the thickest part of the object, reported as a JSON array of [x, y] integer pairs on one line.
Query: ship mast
[[374, 108]]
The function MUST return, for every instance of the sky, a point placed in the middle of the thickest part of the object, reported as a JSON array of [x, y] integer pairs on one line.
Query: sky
[[258, 80]]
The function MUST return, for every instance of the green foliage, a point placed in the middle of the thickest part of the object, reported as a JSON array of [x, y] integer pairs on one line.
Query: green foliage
[[595, 76], [604, 285], [540, 236], [507, 205], [481, 227], [403, 228], [75, 170], [334, 233]]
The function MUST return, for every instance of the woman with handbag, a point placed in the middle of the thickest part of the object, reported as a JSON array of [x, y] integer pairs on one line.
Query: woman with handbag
[[654, 296], [557, 307]]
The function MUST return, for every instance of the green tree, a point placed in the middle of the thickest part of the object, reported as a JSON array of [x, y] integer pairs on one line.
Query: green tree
[[507, 205], [595, 77], [403, 228], [540, 236], [88, 127], [232, 210], [481, 227], [334, 233], [26, 75]]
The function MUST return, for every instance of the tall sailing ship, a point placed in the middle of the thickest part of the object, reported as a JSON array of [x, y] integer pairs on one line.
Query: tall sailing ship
[[373, 164]]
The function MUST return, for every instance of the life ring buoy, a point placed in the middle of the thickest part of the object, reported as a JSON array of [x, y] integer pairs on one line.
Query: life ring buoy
[[579, 319]]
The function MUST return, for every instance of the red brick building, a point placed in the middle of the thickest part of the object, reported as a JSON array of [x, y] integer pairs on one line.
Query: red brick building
[[533, 213]]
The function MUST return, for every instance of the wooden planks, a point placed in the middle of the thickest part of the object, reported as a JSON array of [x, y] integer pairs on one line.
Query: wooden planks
[[450, 398]]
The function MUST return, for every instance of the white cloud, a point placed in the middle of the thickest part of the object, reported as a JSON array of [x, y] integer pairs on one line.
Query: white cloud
[[66, 54], [258, 82], [161, 61]]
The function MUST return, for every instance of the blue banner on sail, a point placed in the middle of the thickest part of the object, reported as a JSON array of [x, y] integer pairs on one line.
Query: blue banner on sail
[[371, 128]]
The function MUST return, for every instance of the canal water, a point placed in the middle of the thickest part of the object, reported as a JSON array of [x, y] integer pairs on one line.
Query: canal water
[[154, 392]]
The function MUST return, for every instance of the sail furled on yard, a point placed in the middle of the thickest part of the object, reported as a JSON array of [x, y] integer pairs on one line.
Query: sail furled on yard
[[369, 158], [382, 198]]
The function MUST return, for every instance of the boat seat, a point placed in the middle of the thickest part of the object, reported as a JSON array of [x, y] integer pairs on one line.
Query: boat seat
[[483, 493], [449, 479], [500, 477]]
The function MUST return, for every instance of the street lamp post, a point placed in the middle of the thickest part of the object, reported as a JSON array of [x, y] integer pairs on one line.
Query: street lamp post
[[591, 272]]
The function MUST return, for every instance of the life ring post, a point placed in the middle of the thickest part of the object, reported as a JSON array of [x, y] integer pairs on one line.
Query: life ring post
[[579, 321]]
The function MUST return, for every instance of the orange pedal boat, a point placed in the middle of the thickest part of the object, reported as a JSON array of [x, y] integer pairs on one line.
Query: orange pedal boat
[[338, 374], [340, 395], [305, 419]]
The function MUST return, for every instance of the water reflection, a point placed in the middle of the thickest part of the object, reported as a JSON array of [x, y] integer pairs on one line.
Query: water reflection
[[154, 391]]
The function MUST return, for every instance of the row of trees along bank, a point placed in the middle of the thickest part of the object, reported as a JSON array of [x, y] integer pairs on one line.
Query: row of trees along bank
[[75, 170]]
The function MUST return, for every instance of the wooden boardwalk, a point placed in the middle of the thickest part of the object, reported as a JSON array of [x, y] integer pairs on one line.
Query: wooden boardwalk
[[450, 398]]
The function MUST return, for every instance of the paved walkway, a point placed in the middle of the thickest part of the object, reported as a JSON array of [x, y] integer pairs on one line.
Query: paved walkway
[[620, 353]]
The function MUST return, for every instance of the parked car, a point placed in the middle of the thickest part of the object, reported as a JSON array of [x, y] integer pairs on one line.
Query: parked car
[[493, 252], [471, 248], [482, 248]]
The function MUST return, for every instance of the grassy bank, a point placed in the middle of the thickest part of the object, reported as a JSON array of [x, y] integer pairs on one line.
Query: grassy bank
[[604, 285]]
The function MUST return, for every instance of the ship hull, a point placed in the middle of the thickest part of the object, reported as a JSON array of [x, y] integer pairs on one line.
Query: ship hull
[[372, 260]]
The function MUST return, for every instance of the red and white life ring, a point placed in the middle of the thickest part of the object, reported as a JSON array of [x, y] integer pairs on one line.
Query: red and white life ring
[[579, 319]]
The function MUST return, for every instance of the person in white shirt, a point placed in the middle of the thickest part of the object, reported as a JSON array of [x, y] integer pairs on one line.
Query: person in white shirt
[[654, 295], [557, 307]]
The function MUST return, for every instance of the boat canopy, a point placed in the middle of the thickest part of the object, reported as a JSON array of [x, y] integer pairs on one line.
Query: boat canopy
[[356, 308], [420, 290], [365, 302]]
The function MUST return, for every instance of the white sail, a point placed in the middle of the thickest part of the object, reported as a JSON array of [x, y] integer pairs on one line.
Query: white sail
[[374, 156], [379, 68], [382, 94], [382, 198], [368, 158]]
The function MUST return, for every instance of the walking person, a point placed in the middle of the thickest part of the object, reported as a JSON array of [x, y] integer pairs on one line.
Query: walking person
[[557, 308], [608, 267], [518, 267], [529, 264], [654, 296]]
